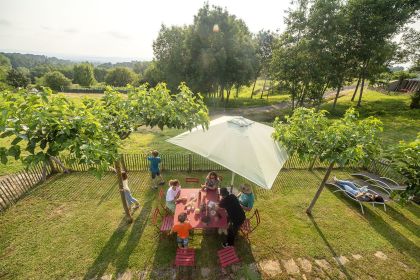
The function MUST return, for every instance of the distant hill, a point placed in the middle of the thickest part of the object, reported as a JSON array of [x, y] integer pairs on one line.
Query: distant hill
[[32, 60]]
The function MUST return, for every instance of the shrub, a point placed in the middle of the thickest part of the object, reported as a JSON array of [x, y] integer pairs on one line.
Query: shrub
[[415, 100], [56, 80]]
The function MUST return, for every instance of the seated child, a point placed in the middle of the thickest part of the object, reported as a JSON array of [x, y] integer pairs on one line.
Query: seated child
[[212, 181], [183, 230], [246, 197], [172, 195]]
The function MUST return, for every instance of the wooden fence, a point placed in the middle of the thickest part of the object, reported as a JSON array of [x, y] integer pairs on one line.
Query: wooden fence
[[14, 186]]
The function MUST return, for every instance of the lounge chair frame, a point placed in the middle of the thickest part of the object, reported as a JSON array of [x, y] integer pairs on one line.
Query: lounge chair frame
[[383, 182], [340, 189]]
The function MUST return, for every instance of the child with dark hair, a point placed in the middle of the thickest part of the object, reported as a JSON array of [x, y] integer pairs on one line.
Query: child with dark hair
[[155, 160], [127, 192], [183, 230], [212, 181], [172, 195]]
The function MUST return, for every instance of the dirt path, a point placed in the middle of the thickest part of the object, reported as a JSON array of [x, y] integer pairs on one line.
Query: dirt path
[[265, 113], [260, 113]]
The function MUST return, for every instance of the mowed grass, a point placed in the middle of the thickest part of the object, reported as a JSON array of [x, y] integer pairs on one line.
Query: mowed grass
[[400, 122], [72, 227]]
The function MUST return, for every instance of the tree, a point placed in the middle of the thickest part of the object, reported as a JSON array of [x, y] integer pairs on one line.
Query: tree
[[83, 74], [212, 55], [410, 50], [46, 125], [120, 77], [100, 74], [372, 25], [5, 67], [149, 107], [56, 80], [16, 78], [264, 41], [405, 159], [310, 55], [91, 132], [308, 133]]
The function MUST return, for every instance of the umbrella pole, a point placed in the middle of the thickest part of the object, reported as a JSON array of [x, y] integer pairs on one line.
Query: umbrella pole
[[231, 181]]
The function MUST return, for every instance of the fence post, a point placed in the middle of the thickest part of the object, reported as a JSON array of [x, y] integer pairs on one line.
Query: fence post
[[190, 163]]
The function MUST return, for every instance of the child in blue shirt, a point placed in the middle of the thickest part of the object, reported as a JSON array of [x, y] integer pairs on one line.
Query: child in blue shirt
[[155, 160]]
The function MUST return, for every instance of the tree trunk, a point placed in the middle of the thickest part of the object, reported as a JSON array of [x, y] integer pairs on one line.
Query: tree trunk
[[262, 91], [321, 187], [336, 96], [56, 160], [222, 93], [253, 87], [312, 164], [123, 166], [227, 96], [121, 190], [293, 101], [237, 92], [302, 97], [357, 87], [359, 102]]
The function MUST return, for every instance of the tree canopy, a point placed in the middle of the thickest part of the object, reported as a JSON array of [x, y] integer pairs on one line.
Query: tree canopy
[[215, 53], [120, 77], [56, 80], [308, 133], [83, 74]]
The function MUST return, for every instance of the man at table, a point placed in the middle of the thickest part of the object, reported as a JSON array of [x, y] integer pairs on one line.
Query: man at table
[[172, 195], [236, 215]]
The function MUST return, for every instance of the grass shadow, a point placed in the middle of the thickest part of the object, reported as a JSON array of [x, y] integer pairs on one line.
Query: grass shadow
[[136, 233], [330, 247], [111, 253], [398, 241]]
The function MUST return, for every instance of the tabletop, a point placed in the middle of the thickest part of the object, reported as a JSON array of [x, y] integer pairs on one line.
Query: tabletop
[[192, 196]]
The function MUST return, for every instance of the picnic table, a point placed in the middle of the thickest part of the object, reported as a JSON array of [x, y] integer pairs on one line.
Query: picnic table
[[195, 219]]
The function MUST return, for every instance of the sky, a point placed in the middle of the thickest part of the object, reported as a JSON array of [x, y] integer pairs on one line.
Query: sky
[[120, 30], [109, 28]]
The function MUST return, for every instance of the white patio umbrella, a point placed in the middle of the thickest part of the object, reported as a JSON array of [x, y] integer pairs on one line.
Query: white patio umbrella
[[243, 146]]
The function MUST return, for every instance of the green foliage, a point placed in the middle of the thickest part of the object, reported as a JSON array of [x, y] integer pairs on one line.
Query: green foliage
[[32, 60], [150, 107], [305, 122], [120, 77], [347, 140], [100, 74], [83, 74], [216, 51], [43, 125], [405, 158], [56, 80], [17, 78], [415, 100]]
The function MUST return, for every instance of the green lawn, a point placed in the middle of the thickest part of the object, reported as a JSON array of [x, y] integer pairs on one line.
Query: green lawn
[[400, 122], [71, 227]]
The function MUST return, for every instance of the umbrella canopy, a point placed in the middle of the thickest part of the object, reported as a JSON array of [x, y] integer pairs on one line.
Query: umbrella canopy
[[243, 146]]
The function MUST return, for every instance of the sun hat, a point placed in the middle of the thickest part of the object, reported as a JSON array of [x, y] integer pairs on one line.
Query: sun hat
[[245, 188]]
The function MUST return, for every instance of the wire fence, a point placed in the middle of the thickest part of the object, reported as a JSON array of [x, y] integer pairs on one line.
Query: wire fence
[[14, 186]]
